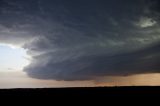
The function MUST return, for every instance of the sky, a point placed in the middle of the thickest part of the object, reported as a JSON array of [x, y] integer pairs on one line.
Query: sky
[[65, 43]]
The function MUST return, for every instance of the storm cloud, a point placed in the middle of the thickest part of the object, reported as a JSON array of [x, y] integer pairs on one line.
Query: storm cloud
[[85, 39]]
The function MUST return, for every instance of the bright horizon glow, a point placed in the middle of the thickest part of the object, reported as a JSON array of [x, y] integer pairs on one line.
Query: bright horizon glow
[[12, 58]]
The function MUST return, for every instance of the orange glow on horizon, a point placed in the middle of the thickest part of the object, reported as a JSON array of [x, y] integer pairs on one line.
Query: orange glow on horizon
[[135, 80]]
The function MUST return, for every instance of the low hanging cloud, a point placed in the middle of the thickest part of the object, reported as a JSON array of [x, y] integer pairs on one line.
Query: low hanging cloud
[[89, 67], [82, 40]]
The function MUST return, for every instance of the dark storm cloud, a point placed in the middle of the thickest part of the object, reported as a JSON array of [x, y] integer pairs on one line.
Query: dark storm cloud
[[78, 40], [88, 67]]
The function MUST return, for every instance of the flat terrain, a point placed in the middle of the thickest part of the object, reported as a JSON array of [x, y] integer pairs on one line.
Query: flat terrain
[[88, 91]]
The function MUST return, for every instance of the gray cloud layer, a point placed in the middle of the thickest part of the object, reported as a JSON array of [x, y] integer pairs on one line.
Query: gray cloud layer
[[79, 40]]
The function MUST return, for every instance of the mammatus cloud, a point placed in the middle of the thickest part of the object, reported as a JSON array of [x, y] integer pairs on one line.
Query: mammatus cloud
[[79, 40]]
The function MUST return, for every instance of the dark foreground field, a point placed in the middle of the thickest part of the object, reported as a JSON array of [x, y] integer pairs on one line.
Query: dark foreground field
[[91, 91]]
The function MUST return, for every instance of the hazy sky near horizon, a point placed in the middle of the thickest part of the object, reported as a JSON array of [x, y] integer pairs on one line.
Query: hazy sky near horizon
[[61, 43]]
